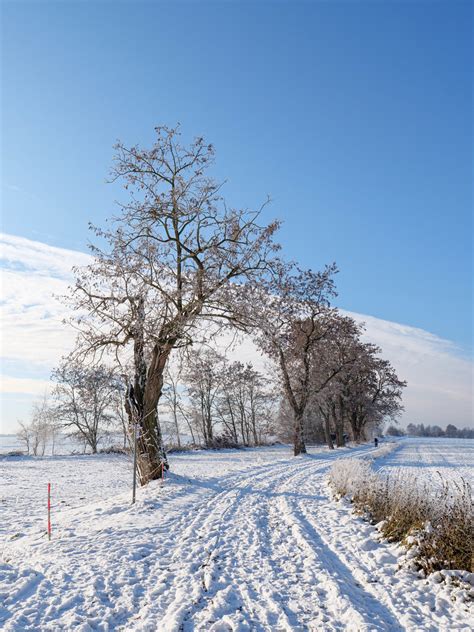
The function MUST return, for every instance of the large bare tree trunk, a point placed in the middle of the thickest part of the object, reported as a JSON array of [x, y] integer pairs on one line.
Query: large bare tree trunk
[[142, 404], [299, 442], [153, 458], [339, 423], [327, 433], [357, 428]]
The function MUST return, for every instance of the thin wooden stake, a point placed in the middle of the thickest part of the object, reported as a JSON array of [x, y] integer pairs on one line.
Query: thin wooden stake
[[134, 463], [49, 511]]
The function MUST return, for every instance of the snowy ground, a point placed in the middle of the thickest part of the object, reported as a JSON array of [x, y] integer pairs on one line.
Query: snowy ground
[[233, 540], [433, 459]]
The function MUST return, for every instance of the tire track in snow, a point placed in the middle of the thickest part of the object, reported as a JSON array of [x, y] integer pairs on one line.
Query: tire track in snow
[[94, 583], [188, 595], [351, 606], [345, 605], [248, 503], [350, 545], [181, 589]]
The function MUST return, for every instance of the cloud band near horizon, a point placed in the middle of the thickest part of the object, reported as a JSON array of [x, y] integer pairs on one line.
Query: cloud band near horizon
[[34, 338]]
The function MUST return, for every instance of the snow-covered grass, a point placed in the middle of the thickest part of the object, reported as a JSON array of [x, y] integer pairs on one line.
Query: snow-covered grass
[[76, 480], [436, 520], [234, 540], [347, 475]]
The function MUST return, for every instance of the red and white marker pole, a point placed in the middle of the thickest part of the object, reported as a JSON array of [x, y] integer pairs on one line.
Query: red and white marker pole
[[49, 511]]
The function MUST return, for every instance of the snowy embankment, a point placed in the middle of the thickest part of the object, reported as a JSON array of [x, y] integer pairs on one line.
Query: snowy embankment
[[233, 540], [433, 520]]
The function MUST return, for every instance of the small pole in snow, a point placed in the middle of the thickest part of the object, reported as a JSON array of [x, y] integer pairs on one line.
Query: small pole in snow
[[135, 431], [49, 511]]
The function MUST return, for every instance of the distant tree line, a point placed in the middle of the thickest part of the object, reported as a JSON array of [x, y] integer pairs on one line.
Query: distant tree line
[[420, 430]]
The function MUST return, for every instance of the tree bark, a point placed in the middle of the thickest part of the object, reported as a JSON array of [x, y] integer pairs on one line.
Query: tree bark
[[339, 424], [142, 409], [298, 441], [327, 433], [357, 428], [154, 457]]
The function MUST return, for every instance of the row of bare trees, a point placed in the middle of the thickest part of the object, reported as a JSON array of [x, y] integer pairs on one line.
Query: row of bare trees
[[334, 384], [175, 267], [364, 394], [220, 402], [206, 397]]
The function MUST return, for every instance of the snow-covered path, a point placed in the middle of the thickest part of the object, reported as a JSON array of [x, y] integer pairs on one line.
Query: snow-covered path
[[251, 542]]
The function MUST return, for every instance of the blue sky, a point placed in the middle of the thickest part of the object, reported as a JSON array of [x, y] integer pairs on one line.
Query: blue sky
[[355, 117]]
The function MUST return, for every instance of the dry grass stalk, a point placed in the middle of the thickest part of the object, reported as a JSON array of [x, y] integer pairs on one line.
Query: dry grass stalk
[[438, 520]]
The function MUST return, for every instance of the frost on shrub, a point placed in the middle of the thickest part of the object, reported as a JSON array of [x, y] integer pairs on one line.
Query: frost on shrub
[[348, 477], [436, 523], [447, 541]]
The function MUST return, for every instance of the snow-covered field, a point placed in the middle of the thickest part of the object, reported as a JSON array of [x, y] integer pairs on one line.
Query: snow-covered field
[[62, 444], [233, 540], [433, 459]]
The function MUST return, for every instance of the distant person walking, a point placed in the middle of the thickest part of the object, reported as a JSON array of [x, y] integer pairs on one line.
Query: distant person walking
[[376, 442]]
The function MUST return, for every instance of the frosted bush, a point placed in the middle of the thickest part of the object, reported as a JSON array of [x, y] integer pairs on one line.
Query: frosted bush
[[348, 476], [435, 522]]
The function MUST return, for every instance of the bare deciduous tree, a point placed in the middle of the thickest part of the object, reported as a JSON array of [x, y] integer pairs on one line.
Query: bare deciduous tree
[[373, 393], [84, 399], [24, 435], [41, 428], [245, 405], [335, 355], [362, 396], [172, 400], [204, 376], [173, 257], [291, 317]]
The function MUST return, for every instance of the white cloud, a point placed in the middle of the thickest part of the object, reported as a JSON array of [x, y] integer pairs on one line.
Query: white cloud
[[439, 379], [34, 339], [38, 258], [20, 385]]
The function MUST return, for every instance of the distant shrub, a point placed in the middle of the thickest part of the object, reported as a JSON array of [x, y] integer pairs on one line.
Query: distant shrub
[[436, 522], [393, 431], [223, 441], [114, 449], [219, 442], [187, 447]]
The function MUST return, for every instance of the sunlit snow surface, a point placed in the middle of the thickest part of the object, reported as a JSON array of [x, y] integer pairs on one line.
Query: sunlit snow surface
[[433, 459], [244, 540]]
